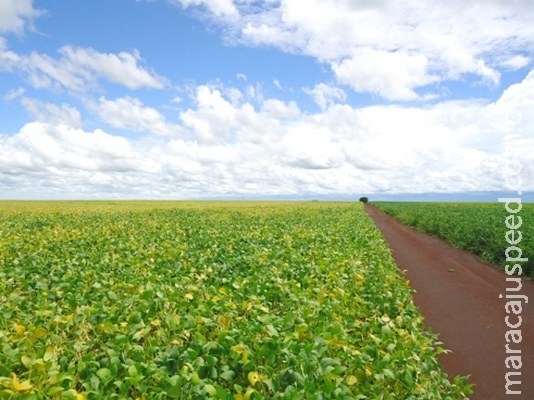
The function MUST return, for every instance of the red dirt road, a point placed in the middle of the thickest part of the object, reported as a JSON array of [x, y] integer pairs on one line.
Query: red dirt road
[[458, 296]]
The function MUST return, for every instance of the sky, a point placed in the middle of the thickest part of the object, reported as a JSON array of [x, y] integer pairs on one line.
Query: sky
[[194, 99]]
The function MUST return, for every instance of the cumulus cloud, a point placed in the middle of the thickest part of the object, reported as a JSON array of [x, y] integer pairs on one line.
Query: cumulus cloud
[[212, 120], [519, 95], [312, 147], [390, 48], [130, 113], [235, 141], [80, 69], [276, 149], [220, 8], [325, 95], [58, 149], [391, 75], [218, 119], [122, 68], [515, 62], [17, 15], [52, 113]]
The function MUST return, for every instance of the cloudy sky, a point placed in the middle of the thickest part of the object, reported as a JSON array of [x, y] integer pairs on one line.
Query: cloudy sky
[[246, 98]]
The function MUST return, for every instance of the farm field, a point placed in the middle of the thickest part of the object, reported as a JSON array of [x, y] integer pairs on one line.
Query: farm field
[[477, 227], [158, 300]]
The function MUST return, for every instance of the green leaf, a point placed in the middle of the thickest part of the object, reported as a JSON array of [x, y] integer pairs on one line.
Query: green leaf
[[132, 371], [54, 390], [104, 374], [210, 389], [227, 375]]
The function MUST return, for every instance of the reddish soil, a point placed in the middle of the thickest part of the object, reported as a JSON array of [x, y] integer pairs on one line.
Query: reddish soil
[[458, 296]]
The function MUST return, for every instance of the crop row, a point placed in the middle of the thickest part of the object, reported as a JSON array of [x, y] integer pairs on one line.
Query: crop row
[[225, 301], [477, 227]]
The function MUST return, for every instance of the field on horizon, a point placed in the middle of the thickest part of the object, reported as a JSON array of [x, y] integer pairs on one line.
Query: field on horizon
[[224, 300]]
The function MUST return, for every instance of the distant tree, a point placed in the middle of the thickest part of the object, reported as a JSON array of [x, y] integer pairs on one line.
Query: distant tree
[[364, 199]]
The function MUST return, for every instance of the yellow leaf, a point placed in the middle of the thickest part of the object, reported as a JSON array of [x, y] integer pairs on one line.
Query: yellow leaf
[[249, 393], [18, 386], [77, 395], [19, 329], [5, 382], [230, 304], [173, 319], [141, 333], [224, 322], [264, 309], [255, 377], [351, 380], [38, 333], [27, 361], [241, 349], [50, 354], [106, 327], [246, 396]]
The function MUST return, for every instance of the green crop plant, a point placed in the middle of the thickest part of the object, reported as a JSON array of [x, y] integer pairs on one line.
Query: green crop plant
[[148, 300]]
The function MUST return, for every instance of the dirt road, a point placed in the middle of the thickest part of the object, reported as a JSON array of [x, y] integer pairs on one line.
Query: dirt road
[[459, 298]]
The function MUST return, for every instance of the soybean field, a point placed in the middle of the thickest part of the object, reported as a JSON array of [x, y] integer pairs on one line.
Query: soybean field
[[171, 300]]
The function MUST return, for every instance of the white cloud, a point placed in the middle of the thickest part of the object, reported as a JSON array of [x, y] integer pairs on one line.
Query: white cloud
[[312, 147], [516, 62], [121, 68], [52, 113], [325, 95], [59, 149], [219, 8], [519, 95], [17, 15], [278, 110], [212, 120], [130, 113], [392, 48], [14, 94], [239, 141], [237, 148], [391, 75], [80, 69], [8, 58]]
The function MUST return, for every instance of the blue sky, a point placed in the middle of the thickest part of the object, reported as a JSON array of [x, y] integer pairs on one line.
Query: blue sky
[[285, 98]]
